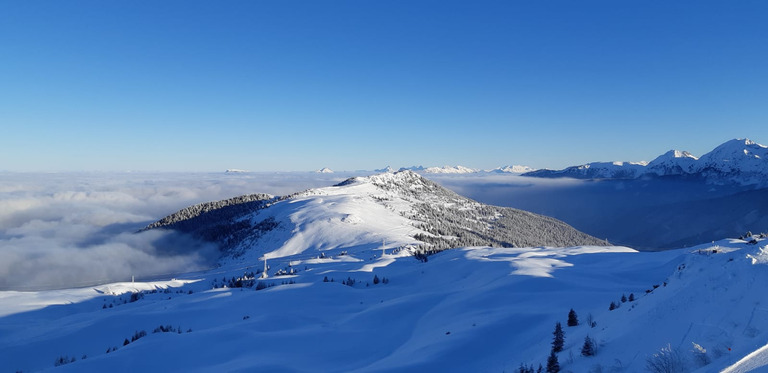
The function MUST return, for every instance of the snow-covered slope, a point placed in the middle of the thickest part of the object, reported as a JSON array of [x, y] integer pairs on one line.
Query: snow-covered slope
[[738, 161], [476, 309]]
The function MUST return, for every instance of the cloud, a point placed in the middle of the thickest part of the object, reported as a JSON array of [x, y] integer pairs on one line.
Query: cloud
[[78, 229]]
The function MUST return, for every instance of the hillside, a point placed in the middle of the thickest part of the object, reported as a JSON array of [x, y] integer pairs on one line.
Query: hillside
[[405, 315], [401, 210]]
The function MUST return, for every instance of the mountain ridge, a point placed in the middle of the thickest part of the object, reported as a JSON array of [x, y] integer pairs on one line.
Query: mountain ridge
[[737, 161]]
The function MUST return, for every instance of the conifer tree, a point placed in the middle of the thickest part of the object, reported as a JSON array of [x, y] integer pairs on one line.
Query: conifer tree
[[573, 320], [553, 366], [588, 349], [559, 340]]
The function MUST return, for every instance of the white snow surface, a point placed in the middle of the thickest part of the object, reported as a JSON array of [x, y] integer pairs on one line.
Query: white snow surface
[[324, 170], [476, 309]]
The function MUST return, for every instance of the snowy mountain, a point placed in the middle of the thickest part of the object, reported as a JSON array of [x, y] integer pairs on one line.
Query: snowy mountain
[[385, 169], [515, 169], [673, 162], [738, 161], [324, 170], [403, 209], [412, 168], [450, 170]]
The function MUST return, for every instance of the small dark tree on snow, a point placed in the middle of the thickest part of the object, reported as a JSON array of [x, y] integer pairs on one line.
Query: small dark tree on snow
[[126, 342], [375, 280], [559, 340], [540, 370], [588, 349], [612, 306], [553, 366], [631, 297], [573, 320], [623, 298]]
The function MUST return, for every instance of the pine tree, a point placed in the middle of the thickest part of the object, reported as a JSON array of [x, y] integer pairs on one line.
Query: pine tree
[[631, 297], [559, 340], [375, 279], [623, 298], [588, 349], [553, 366], [572, 319], [612, 306]]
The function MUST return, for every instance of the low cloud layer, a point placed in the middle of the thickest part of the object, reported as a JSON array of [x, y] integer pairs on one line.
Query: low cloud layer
[[78, 229]]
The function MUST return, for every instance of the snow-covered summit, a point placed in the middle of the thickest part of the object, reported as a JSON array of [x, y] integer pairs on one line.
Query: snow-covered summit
[[673, 162], [324, 170], [739, 160]]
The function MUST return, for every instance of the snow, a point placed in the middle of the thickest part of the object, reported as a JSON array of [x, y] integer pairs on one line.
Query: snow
[[324, 170], [435, 316]]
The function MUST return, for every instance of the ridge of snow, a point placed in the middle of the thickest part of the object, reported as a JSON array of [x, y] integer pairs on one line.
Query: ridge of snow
[[324, 170]]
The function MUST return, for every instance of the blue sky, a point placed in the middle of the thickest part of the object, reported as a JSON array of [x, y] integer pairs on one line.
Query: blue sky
[[300, 85]]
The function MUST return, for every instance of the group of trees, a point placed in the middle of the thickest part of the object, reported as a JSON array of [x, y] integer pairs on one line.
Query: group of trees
[[589, 348], [614, 305], [468, 223]]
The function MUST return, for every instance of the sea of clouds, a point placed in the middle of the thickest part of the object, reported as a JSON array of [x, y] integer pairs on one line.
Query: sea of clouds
[[61, 230]]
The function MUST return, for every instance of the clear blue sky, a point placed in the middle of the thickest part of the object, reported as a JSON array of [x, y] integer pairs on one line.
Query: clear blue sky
[[300, 85]]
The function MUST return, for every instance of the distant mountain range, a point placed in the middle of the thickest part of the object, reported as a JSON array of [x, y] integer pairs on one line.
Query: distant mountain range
[[738, 161], [458, 169]]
